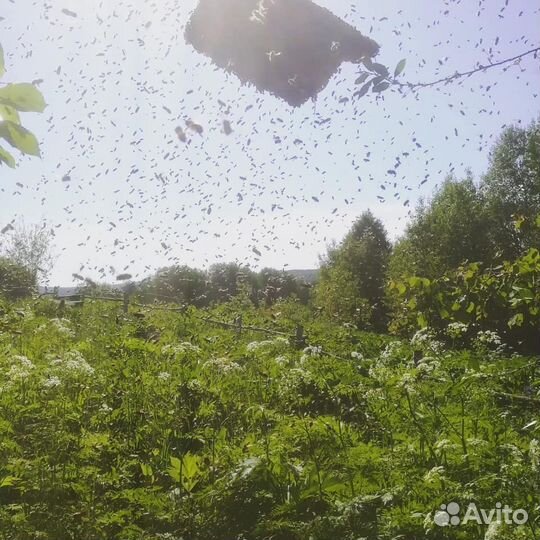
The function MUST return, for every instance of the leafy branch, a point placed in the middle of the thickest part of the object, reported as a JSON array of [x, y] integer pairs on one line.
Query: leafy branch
[[16, 98], [381, 80]]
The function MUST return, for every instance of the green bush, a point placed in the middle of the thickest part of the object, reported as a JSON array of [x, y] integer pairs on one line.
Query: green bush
[[15, 280], [504, 299]]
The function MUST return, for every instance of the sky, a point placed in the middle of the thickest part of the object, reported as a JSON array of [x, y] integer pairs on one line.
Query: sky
[[122, 194]]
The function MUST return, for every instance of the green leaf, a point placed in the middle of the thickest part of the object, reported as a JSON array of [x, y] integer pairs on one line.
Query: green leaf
[[7, 158], [24, 97], [2, 62], [191, 465], [444, 313], [10, 114], [381, 87], [516, 320], [20, 138], [362, 78], [400, 67], [8, 481], [174, 470], [146, 469], [363, 91], [380, 69]]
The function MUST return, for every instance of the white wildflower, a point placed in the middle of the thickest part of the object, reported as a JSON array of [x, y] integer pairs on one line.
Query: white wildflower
[[456, 329], [381, 373], [282, 360], [180, 348], [294, 379], [51, 382], [357, 355], [169, 536], [487, 337], [222, 365], [424, 339], [407, 382], [267, 343], [494, 531], [390, 352], [257, 345], [20, 369], [444, 444], [426, 367], [23, 362], [185, 346], [313, 351], [16, 373], [434, 475], [62, 327], [73, 364], [105, 408], [164, 376]]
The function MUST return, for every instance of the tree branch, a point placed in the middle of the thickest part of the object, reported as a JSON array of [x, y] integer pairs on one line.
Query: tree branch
[[452, 78]]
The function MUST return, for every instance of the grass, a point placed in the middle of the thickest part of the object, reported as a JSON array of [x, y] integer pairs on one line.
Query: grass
[[156, 425]]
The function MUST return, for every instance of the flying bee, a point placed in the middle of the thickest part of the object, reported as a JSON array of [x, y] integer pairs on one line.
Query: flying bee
[[180, 134], [195, 127], [227, 129]]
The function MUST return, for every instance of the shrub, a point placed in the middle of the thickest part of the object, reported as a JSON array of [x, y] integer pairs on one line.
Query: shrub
[[15, 280]]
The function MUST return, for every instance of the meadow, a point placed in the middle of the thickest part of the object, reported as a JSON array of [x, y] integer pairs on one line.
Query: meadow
[[157, 424]]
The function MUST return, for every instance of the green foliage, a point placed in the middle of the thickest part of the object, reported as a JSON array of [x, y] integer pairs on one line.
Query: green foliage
[[7, 158], [448, 231], [16, 281], [180, 284], [221, 283], [22, 97], [30, 246], [512, 190], [274, 285], [352, 281], [377, 77], [15, 98], [201, 433], [465, 222], [19, 137], [504, 299]]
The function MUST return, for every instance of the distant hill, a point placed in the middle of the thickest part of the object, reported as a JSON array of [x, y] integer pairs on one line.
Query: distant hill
[[309, 276]]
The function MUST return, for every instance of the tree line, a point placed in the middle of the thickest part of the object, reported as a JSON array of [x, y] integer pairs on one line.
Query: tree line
[[487, 227], [470, 239]]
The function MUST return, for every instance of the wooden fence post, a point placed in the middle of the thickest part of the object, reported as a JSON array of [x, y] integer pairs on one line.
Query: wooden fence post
[[238, 323], [299, 339], [126, 302]]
